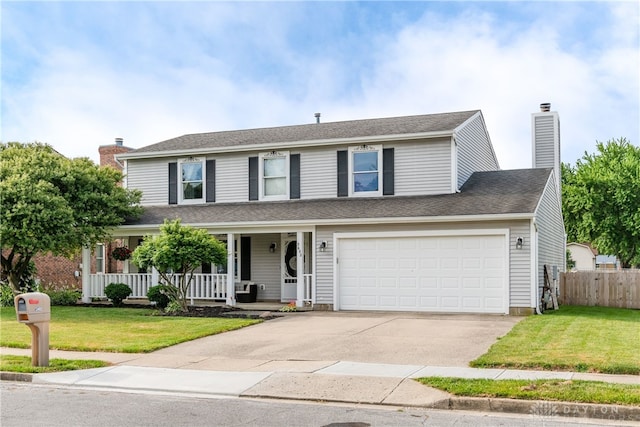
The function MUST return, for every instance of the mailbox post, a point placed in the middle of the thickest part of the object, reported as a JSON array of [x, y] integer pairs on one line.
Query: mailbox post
[[34, 310]]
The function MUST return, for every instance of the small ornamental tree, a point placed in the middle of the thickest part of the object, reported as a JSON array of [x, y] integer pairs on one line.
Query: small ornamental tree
[[176, 253]]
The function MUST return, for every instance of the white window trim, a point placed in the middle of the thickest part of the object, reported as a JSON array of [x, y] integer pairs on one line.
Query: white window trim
[[181, 199], [101, 261], [360, 149], [272, 155]]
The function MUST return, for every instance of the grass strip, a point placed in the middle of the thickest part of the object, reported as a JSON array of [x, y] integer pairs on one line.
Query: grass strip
[[581, 339], [22, 364], [553, 390]]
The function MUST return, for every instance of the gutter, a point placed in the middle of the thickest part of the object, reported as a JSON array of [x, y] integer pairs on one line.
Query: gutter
[[288, 225], [283, 145]]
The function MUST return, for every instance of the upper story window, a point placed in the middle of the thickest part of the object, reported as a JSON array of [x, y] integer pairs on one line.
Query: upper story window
[[274, 175], [191, 172], [365, 170]]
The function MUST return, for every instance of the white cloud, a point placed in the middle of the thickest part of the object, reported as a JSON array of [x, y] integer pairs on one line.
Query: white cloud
[[226, 66]]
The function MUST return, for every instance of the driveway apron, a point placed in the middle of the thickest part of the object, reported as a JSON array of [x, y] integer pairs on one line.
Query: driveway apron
[[393, 338]]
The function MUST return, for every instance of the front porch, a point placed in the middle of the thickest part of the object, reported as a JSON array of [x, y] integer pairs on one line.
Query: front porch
[[280, 264]]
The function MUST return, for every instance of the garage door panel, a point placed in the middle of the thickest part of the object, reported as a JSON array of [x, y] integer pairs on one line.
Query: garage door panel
[[469, 283], [450, 283], [408, 284], [443, 273]]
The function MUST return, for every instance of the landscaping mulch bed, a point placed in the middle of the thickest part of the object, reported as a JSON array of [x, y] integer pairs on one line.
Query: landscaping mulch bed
[[201, 311]]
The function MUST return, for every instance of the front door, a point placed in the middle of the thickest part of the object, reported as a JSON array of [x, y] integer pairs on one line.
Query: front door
[[289, 268]]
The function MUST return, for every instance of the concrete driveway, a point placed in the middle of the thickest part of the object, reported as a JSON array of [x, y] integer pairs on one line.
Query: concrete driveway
[[391, 338]]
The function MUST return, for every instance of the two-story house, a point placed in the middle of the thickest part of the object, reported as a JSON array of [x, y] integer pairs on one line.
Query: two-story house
[[396, 214]]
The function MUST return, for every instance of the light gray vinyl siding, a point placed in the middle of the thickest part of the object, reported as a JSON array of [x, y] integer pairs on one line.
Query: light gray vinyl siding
[[520, 265], [422, 167], [265, 265], [475, 153], [543, 131], [324, 266], [519, 260], [232, 178], [318, 173], [546, 142], [551, 232], [150, 176]]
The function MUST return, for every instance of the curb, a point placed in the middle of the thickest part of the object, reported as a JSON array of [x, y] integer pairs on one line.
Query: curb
[[16, 376], [543, 409], [547, 408]]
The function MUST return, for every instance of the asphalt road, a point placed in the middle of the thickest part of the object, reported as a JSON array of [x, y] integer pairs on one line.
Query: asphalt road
[[28, 405]]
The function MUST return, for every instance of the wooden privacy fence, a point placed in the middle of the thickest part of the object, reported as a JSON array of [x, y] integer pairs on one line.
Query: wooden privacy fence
[[619, 288]]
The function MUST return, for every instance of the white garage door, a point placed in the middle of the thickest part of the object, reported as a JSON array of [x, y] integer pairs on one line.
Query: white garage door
[[432, 273]]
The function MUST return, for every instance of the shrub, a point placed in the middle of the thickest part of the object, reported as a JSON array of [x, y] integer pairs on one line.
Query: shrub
[[117, 292], [63, 296], [6, 295], [174, 307], [160, 295]]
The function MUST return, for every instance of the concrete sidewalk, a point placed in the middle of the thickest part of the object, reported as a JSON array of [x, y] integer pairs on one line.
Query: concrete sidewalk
[[327, 381]]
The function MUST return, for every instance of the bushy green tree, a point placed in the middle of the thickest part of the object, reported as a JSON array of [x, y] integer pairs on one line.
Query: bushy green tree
[[176, 252], [54, 204], [601, 200]]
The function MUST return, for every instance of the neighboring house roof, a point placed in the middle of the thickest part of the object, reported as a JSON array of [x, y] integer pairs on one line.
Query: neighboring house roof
[[606, 259], [429, 123], [484, 193], [584, 245]]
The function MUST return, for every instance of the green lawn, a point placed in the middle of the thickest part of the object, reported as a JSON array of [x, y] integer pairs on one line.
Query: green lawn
[[583, 339], [22, 364], [554, 390], [126, 330]]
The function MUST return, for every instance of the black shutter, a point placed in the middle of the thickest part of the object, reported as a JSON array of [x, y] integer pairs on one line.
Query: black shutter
[[387, 172], [245, 258], [253, 178], [343, 173], [211, 180], [206, 268], [173, 183], [294, 176]]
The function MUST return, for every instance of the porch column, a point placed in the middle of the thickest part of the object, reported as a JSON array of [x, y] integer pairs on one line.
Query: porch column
[[86, 275], [300, 269], [231, 273], [155, 277]]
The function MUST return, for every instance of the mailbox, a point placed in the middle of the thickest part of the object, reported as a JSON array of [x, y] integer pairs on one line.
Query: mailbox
[[33, 307], [34, 310]]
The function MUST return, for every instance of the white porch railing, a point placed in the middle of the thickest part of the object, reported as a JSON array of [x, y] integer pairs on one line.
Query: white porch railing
[[203, 286]]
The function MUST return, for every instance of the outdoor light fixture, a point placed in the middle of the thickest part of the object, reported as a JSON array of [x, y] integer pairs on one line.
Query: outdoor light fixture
[[323, 246], [272, 247], [519, 242]]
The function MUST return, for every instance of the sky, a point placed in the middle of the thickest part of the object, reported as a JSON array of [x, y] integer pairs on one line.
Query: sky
[[76, 75]]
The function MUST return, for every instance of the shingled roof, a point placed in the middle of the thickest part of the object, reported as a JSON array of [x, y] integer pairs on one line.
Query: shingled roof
[[484, 193], [444, 122]]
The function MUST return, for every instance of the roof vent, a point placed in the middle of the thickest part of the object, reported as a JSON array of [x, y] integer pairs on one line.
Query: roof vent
[[119, 142], [317, 116], [546, 107]]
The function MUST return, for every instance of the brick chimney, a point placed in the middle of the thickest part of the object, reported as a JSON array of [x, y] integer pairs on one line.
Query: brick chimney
[[108, 153]]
